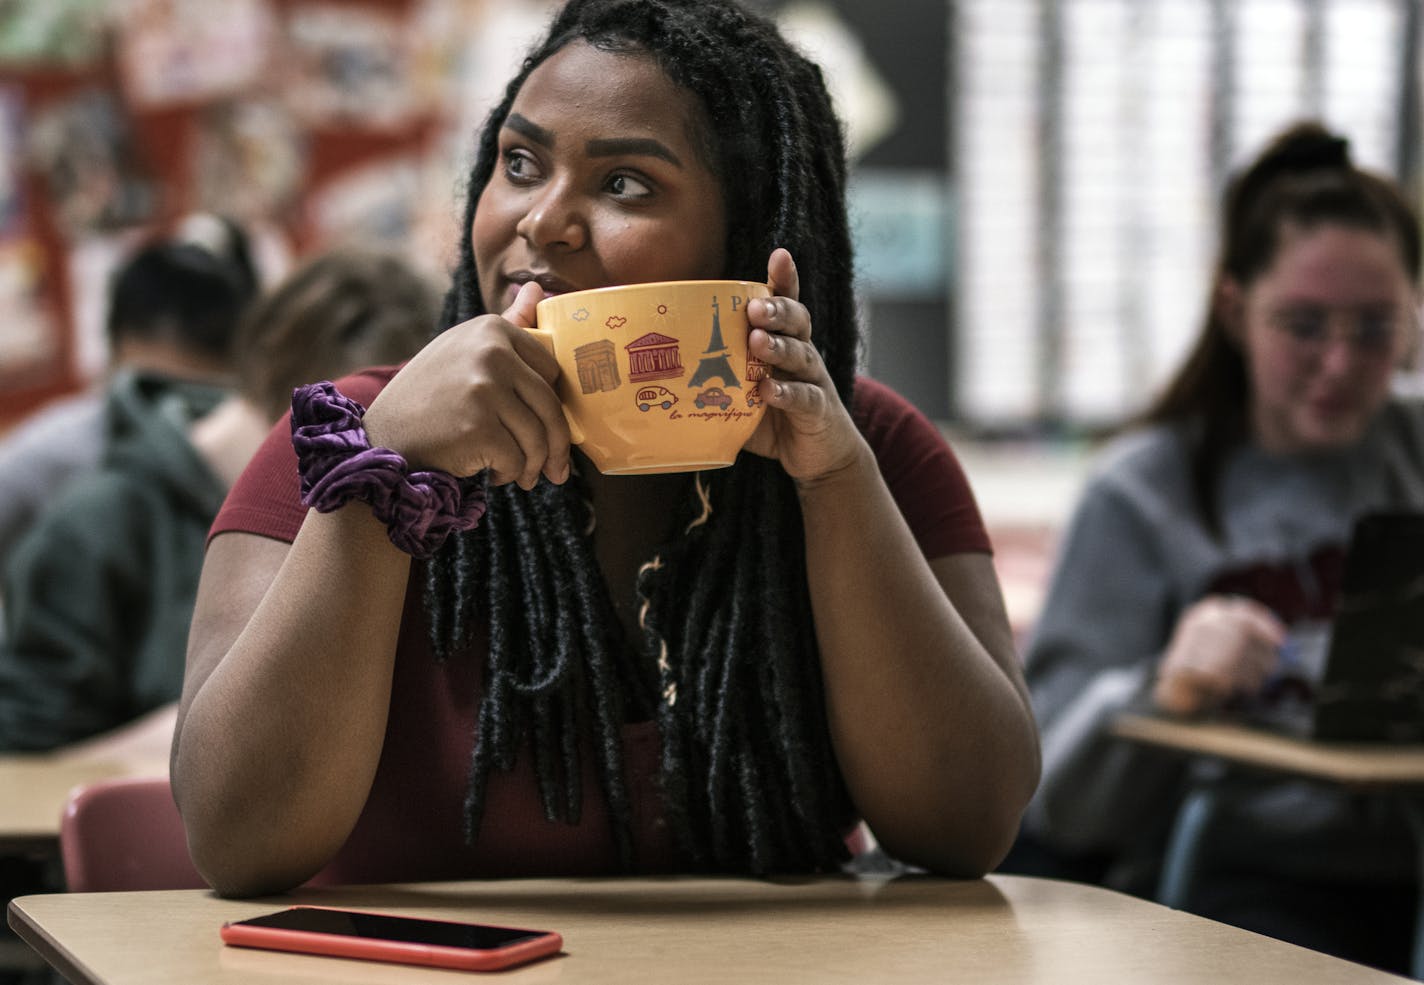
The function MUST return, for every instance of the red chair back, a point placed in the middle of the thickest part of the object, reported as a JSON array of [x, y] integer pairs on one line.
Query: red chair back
[[125, 834]]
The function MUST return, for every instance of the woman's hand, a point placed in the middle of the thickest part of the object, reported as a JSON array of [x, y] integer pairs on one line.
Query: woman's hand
[[806, 426], [1223, 645], [479, 396]]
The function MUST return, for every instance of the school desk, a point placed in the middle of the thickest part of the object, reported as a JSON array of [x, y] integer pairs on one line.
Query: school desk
[[1395, 771], [34, 787], [698, 931]]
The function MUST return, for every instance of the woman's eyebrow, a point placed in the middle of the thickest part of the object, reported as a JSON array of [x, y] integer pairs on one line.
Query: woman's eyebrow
[[530, 129], [645, 146]]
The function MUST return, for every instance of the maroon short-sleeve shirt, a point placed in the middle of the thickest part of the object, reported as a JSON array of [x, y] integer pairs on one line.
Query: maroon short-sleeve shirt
[[412, 827]]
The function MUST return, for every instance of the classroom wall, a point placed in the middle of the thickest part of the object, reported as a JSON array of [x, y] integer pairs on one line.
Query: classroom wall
[[311, 121]]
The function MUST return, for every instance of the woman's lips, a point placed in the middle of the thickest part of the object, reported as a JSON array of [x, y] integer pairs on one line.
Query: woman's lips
[[548, 284], [1334, 406]]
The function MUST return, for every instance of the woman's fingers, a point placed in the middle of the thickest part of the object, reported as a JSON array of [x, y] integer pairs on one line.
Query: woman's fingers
[[803, 399], [542, 434], [523, 310], [480, 396], [1262, 634], [1223, 645], [780, 325], [1259, 621], [780, 315], [518, 429], [547, 447], [798, 382], [807, 428], [781, 337], [781, 275]]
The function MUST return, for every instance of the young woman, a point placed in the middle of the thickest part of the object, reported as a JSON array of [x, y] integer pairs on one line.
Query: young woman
[[1217, 528], [721, 671]]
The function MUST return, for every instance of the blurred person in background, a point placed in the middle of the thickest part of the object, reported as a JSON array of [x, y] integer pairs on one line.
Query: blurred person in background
[[175, 336], [101, 589], [1214, 528], [338, 312]]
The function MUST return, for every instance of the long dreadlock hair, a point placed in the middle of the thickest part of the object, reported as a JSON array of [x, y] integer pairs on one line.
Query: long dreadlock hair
[[748, 775]]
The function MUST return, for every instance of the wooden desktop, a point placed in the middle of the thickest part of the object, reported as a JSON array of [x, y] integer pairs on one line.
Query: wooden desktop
[[1395, 771], [1003, 929]]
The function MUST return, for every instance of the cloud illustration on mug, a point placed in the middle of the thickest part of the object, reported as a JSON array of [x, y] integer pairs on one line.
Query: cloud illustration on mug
[[615, 322]]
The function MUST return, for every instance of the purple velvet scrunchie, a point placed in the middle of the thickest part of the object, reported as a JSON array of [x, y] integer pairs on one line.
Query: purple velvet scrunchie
[[337, 464]]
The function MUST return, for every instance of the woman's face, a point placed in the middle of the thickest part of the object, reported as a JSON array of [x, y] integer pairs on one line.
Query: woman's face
[[1322, 331], [600, 182]]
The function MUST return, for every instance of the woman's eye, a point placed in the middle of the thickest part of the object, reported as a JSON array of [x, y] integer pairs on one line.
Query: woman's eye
[[627, 186], [519, 166], [1304, 326], [1375, 331]]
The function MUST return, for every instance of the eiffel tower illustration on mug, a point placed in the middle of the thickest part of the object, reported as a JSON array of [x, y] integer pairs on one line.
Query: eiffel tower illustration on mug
[[715, 363]]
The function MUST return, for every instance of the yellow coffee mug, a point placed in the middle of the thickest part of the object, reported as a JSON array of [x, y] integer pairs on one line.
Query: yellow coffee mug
[[656, 377]]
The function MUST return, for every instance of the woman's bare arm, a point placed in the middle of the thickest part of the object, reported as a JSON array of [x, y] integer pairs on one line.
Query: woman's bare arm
[[927, 705], [292, 650], [284, 704]]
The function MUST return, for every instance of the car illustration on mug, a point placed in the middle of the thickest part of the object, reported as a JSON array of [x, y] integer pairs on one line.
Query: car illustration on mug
[[655, 396], [713, 396]]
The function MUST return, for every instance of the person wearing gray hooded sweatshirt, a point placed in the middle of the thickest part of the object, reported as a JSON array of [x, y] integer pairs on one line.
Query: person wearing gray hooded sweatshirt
[[99, 589], [1213, 534], [101, 592]]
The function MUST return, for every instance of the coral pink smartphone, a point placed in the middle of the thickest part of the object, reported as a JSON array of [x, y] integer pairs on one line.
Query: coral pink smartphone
[[384, 937]]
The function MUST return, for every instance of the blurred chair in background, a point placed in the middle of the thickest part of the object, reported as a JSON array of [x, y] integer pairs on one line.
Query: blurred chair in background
[[125, 834]]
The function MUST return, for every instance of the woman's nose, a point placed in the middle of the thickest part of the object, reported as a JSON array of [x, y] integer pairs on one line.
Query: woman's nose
[[553, 220], [1341, 355]]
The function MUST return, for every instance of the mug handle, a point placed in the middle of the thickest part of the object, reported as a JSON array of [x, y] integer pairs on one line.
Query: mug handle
[[546, 338]]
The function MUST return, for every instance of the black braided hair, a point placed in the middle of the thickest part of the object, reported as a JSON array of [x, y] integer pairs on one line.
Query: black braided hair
[[748, 774]]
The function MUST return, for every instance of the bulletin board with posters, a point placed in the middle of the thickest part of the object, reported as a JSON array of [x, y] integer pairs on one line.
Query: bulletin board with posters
[[311, 122]]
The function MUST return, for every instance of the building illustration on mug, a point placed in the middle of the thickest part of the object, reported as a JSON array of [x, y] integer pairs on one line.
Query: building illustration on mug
[[597, 366], [656, 356], [716, 363], [653, 357]]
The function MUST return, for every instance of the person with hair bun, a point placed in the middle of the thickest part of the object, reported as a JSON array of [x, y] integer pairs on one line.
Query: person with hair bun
[[1214, 529], [474, 655]]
